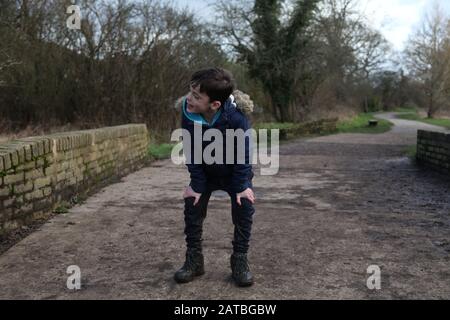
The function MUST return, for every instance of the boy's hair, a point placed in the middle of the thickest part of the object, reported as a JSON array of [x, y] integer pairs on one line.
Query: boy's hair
[[217, 83]]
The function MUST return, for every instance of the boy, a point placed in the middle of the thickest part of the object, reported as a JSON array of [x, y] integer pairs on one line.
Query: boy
[[210, 104]]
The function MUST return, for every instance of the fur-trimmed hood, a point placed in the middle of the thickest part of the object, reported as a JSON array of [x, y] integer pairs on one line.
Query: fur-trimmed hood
[[241, 99]]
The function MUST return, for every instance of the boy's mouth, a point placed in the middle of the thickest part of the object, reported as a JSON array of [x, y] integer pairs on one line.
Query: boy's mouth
[[189, 108]]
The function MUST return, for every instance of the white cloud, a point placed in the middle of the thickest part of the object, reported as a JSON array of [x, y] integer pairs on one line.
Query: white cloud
[[201, 8], [396, 19]]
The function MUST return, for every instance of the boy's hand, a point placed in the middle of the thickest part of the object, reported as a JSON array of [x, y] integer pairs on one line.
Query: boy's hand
[[248, 194], [189, 193]]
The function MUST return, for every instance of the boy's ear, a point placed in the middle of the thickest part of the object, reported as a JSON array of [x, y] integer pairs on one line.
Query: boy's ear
[[215, 105]]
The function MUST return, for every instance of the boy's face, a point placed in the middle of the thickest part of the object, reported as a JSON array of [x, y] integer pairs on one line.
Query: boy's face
[[198, 102]]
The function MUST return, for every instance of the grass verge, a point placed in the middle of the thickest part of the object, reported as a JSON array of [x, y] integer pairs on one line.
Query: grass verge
[[416, 117], [411, 152], [360, 124], [160, 151], [405, 109]]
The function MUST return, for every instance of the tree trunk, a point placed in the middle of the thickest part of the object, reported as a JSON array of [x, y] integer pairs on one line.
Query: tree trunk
[[430, 112], [285, 114], [281, 111], [281, 100]]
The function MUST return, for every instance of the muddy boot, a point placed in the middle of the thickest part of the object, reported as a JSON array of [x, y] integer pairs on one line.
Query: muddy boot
[[240, 270], [193, 267]]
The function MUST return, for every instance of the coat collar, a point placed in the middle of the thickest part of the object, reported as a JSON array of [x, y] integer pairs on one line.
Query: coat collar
[[221, 115]]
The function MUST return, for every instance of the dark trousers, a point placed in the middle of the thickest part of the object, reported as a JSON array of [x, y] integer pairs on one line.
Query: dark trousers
[[242, 217]]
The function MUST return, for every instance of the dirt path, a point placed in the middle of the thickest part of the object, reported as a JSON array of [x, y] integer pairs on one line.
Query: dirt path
[[403, 132], [338, 204]]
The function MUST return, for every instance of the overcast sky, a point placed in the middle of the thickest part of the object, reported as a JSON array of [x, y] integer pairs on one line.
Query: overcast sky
[[394, 18]]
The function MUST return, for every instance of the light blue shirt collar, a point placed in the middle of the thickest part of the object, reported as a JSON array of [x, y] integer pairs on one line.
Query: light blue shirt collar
[[198, 118]]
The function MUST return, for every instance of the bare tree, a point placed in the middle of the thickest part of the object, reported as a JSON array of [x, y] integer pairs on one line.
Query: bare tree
[[272, 40], [297, 51], [428, 57], [128, 63], [351, 50]]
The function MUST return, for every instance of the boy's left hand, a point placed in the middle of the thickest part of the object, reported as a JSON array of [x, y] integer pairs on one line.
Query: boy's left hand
[[189, 192], [248, 194]]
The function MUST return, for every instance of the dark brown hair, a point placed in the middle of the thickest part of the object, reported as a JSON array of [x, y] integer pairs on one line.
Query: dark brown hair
[[217, 83]]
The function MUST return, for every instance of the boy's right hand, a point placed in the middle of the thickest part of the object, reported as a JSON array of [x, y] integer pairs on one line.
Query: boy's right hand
[[189, 193]]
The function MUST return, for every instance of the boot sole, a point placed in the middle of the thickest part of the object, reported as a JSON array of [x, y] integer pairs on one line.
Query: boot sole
[[242, 284], [189, 280]]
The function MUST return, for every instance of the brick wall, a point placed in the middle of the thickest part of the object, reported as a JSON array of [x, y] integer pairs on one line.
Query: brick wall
[[433, 150], [39, 174]]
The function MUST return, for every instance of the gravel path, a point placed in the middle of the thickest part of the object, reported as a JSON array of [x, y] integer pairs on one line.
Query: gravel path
[[339, 204]]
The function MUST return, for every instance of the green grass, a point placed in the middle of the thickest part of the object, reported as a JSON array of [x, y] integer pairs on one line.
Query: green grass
[[409, 116], [416, 117], [411, 151], [438, 122], [160, 151], [289, 130], [360, 124], [63, 207], [406, 109]]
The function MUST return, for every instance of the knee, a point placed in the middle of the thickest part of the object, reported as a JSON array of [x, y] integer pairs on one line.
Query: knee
[[189, 201], [247, 204], [246, 208]]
